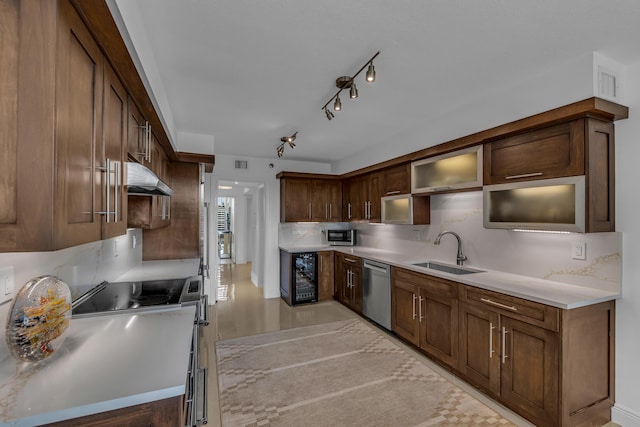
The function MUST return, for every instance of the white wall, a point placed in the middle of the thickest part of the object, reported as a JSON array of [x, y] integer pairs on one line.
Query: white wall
[[627, 409], [259, 170]]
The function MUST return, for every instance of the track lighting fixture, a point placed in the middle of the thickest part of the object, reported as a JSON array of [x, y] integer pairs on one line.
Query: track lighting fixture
[[346, 82], [286, 140], [329, 114]]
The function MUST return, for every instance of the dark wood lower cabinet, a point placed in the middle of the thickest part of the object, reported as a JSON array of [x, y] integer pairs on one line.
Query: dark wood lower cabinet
[[348, 279], [553, 367], [325, 275], [161, 413], [425, 312]]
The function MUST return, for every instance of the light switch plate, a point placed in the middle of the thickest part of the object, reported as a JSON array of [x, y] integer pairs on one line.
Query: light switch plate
[[6, 284], [579, 250]]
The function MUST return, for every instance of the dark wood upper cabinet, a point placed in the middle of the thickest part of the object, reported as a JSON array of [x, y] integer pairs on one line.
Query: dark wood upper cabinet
[[396, 180], [552, 152], [310, 198]]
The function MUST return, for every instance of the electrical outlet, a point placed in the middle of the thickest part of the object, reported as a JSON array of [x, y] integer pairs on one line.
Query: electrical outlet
[[6, 283], [415, 235], [295, 232], [579, 250]]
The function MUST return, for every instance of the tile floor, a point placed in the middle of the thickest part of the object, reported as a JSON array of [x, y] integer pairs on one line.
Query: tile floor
[[241, 310]]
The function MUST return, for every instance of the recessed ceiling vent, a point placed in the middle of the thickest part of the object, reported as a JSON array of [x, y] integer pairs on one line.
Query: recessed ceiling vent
[[241, 164], [607, 83]]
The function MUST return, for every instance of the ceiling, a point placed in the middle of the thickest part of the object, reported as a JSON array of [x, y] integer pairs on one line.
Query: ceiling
[[247, 72]]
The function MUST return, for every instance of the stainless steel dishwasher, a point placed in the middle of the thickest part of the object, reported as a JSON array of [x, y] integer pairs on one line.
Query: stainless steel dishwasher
[[376, 292]]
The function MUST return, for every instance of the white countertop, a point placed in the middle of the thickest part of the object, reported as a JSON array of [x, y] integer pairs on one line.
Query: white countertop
[[165, 269], [106, 362], [556, 294]]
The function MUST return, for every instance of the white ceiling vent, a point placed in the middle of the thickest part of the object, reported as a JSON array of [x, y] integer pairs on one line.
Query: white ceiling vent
[[241, 164], [608, 83]]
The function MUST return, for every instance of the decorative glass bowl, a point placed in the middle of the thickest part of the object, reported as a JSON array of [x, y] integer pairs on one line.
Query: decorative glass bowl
[[38, 318]]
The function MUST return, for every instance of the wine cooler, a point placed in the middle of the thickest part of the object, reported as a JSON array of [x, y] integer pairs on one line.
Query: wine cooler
[[299, 277]]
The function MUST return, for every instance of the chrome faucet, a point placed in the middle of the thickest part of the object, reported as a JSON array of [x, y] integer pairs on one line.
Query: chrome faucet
[[460, 258]]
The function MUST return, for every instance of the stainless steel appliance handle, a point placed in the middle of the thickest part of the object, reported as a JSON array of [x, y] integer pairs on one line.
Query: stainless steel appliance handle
[[148, 142], [206, 240], [205, 373]]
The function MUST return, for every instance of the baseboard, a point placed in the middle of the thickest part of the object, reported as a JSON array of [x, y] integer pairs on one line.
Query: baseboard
[[254, 279], [625, 416]]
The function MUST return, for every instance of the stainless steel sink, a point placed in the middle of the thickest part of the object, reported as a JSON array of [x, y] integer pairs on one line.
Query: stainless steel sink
[[447, 268]]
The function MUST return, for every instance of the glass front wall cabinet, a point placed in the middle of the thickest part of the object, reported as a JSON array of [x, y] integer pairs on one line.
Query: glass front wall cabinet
[[448, 172]]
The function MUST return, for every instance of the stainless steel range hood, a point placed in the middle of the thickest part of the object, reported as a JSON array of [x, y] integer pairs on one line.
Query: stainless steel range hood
[[141, 181]]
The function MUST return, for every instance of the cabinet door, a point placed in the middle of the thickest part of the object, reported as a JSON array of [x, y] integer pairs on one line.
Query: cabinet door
[[9, 124], [479, 356], [375, 194], [318, 199], [136, 135], [438, 315], [530, 374], [356, 289], [552, 152], [334, 199], [294, 200], [78, 112], [404, 310], [396, 180], [325, 275], [114, 130], [358, 193]]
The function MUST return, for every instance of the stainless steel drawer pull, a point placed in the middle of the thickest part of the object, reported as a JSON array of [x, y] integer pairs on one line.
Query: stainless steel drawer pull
[[491, 328], [350, 260], [524, 175], [414, 305], [497, 304], [393, 192], [504, 344]]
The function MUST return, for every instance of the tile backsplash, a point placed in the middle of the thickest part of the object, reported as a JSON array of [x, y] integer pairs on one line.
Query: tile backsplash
[[81, 267], [541, 255]]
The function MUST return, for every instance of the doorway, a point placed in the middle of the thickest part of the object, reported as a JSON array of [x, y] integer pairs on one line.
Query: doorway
[[224, 229]]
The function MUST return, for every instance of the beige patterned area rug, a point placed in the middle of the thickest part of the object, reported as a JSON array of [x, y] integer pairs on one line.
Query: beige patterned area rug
[[337, 374]]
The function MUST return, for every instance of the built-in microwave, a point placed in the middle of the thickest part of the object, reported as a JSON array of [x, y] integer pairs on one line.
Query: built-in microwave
[[341, 237], [550, 204]]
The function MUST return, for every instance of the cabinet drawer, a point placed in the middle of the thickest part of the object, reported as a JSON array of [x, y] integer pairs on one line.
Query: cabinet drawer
[[527, 311], [433, 286]]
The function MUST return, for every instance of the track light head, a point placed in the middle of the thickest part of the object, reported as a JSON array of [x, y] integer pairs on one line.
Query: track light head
[[291, 144], [353, 92], [337, 105], [329, 114], [280, 150], [371, 73]]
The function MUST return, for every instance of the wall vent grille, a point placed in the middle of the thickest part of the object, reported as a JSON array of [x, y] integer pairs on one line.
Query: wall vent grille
[[607, 83], [241, 164]]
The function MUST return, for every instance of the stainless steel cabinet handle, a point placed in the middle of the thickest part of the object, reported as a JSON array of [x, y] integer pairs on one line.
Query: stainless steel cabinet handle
[[448, 187], [148, 142], [414, 306], [350, 260], [117, 184], [330, 211], [504, 344], [108, 172], [497, 304], [349, 210], [491, 328], [393, 192], [320, 258], [524, 175], [420, 309]]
